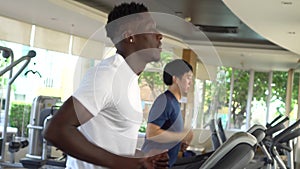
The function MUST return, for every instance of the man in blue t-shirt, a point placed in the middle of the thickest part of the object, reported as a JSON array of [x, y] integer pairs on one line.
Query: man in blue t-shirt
[[165, 128]]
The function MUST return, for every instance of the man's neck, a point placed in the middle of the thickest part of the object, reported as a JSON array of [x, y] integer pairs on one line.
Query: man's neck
[[174, 90], [137, 67], [134, 62]]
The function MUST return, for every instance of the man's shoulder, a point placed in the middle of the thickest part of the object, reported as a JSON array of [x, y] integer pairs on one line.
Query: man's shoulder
[[161, 100], [111, 62]]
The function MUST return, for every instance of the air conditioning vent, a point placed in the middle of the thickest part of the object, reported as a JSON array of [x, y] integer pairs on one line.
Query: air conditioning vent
[[217, 29]]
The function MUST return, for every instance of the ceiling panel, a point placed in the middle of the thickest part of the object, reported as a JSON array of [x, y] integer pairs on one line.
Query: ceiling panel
[[277, 21], [266, 54]]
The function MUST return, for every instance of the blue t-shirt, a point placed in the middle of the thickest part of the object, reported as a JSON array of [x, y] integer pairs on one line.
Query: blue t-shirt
[[165, 112]]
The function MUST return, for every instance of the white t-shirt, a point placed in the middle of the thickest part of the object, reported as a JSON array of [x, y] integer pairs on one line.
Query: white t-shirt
[[111, 93]]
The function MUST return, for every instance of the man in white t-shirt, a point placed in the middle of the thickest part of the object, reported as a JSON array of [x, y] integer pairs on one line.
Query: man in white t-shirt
[[98, 125]]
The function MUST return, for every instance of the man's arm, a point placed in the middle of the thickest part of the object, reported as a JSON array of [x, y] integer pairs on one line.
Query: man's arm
[[186, 141], [155, 133], [62, 132]]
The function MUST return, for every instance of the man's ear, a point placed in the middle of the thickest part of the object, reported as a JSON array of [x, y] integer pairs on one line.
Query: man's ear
[[128, 37], [174, 79]]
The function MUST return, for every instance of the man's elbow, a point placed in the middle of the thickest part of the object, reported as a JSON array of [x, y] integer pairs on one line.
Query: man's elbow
[[153, 130], [50, 134]]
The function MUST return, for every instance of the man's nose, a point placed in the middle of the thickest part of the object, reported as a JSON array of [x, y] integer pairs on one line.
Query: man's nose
[[159, 36]]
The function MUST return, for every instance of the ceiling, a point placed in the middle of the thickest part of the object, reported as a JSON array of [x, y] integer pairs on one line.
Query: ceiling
[[249, 35], [212, 16]]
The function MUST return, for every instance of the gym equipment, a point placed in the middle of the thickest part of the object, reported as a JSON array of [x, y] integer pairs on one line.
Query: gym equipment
[[36, 124], [265, 142], [258, 131], [6, 53], [221, 130], [14, 146], [271, 129], [235, 153], [214, 135], [39, 152], [274, 147], [283, 141]]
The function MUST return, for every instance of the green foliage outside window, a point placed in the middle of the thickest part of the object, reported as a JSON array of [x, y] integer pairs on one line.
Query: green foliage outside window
[[19, 117], [260, 92], [153, 77]]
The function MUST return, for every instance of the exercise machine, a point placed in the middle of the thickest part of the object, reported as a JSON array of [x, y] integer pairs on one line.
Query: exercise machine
[[39, 151], [8, 53], [235, 153]]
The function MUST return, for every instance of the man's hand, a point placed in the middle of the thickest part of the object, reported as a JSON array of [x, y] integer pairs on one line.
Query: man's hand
[[183, 146], [155, 160], [159, 161], [186, 141]]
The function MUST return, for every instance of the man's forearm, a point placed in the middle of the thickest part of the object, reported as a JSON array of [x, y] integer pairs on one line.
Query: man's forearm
[[164, 136]]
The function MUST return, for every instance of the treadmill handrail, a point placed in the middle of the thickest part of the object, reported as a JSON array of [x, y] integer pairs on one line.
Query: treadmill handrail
[[231, 142]]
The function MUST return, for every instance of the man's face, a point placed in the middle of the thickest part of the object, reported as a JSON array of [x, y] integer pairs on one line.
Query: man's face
[[147, 39], [184, 83]]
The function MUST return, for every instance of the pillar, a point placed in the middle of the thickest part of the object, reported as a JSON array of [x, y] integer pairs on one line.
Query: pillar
[[188, 107], [289, 90]]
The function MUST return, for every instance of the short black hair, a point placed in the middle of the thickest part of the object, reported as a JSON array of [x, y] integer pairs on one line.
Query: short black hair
[[178, 68], [119, 11]]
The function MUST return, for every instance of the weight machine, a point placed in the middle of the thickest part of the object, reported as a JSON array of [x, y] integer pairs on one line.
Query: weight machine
[[8, 53], [39, 151]]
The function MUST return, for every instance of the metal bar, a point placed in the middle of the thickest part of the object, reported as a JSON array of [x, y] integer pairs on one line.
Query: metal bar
[[269, 95], [230, 99], [12, 78], [249, 99], [6, 108]]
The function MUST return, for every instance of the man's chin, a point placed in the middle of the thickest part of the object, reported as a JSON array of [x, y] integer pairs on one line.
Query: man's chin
[[185, 92], [156, 56], [156, 59]]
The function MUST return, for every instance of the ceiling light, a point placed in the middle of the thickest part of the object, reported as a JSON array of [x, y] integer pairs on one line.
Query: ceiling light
[[286, 2], [188, 19], [291, 32]]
